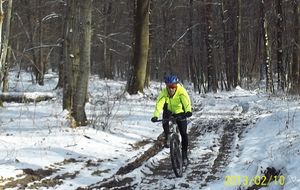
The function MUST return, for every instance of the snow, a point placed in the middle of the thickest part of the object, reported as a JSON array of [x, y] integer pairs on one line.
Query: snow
[[38, 135]]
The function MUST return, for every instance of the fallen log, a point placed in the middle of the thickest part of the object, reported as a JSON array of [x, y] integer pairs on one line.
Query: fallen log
[[26, 97]]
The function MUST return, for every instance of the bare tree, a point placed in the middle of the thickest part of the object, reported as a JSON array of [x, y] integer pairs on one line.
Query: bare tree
[[1, 48], [76, 52], [107, 61], [179, 37], [267, 50], [225, 16], [211, 69], [280, 69], [295, 73], [3, 60], [81, 86], [137, 79], [71, 53], [239, 42], [192, 66], [39, 68]]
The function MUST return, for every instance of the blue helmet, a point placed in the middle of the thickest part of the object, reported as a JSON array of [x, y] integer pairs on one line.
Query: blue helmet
[[171, 79]]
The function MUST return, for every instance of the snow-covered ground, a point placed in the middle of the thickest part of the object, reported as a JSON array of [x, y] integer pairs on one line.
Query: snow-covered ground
[[38, 135]]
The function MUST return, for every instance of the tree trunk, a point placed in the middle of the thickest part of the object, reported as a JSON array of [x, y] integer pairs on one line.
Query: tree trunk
[[80, 95], [211, 70], [62, 51], [225, 14], [141, 47], [40, 65], [3, 60], [295, 75], [108, 68], [192, 66], [239, 53], [62, 57], [71, 53], [280, 69], [1, 48], [31, 32], [267, 52]]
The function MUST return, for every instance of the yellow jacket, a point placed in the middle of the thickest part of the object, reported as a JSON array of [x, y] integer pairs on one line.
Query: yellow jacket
[[179, 103]]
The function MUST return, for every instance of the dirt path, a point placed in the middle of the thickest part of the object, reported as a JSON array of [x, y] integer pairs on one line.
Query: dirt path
[[212, 146], [204, 168]]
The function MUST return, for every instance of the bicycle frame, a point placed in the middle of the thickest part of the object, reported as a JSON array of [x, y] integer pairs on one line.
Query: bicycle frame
[[174, 128]]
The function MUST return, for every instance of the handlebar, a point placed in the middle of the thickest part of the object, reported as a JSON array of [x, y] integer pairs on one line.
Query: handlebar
[[172, 118]]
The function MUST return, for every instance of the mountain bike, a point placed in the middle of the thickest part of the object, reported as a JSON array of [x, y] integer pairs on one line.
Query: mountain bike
[[175, 146]]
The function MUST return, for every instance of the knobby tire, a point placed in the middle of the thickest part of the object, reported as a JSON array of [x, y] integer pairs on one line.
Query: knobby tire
[[176, 155]]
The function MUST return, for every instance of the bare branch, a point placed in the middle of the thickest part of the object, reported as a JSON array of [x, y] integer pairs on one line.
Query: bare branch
[[42, 46], [114, 40], [174, 44]]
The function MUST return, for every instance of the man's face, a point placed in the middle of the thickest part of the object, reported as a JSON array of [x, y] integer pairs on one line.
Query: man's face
[[171, 89]]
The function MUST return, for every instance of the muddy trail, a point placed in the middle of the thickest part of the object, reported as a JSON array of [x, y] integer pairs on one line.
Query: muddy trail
[[213, 144]]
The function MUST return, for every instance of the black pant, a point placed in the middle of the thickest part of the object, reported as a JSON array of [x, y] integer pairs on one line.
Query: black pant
[[182, 125]]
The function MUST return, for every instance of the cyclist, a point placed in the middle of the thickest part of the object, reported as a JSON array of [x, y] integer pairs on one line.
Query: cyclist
[[174, 100]]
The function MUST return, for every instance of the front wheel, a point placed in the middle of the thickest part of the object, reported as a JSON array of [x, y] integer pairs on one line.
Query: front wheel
[[176, 155]]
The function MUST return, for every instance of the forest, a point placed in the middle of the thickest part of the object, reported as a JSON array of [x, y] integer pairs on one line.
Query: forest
[[216, 45], [79, 81]]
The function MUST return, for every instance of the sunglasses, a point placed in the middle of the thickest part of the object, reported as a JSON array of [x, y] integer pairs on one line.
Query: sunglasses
[[172, 86]]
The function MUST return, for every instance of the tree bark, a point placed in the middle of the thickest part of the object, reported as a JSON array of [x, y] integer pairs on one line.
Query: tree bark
[[71, 53], [225, 15], [280, 69], [40, 65], [30, 14], [108, 64], [295, 75], [141, 47], [80, 95], [3, 60], [267, 51], [21, 97], [239, 41], [192, 67], [211, 70], [1, 48]]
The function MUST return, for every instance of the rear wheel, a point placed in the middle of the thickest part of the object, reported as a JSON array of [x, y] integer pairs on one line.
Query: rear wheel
[[176, 155]]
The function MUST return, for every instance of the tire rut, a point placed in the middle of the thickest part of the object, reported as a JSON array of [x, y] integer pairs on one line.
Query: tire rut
[[208, 159], [206, 168]]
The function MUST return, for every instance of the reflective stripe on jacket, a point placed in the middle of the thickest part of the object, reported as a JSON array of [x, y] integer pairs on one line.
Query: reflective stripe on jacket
[[179, 103]]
